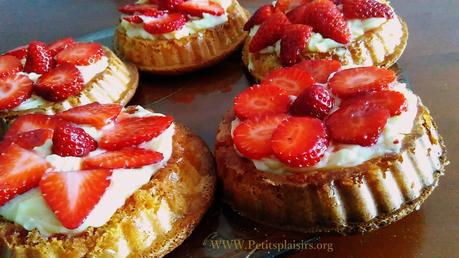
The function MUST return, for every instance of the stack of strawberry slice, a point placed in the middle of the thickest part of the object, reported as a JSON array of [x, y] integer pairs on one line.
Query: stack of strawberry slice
[[298, 132], [166, 16], [24, 168], [292, 22]]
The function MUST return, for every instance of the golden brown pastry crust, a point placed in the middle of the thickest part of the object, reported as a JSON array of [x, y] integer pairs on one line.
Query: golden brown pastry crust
[[186, 185]]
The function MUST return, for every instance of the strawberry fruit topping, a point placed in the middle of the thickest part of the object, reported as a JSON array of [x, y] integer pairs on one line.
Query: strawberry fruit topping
[[165, 23], [293, 42], [315, 101], [9, 65], [60, 45], [130, 157], [69, 140], [144, 9], [14, 90], [133, 18], [320, 69], [60, 83], [19, 52], [82, 53], [259, 16], [286, 5], [393, 101], [198, 7], [292, 80], [269, 32], [39, 59], [27, 140], [31, 122], [95, 114], [363, 9], [169, 4]]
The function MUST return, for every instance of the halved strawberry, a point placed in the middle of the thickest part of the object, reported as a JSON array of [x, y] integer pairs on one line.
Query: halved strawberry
[[133, 19], [95, 114], [82, 53], [27, 140], [252, 137], [358, 123], [21, 170], [292, 80], [130, 157], [300, 141], [363, 9], [133, 131], [60, 45], [169, 4], [19, 52], [69, 140], [269, 32], [165, 23], [294, 39], [145, 9], [32, 122], [259, 16], [14, 90], [298, 14], [349, 82], [198, 7], [286, 5], [315, 101], [319, 69], [393, 101], [261, 101], [39, 59], [9, 65], [59, 83], [72, 195]]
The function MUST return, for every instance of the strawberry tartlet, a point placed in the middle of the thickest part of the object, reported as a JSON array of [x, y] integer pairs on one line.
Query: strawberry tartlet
[[50, 78], [351, 154], [100, 180], [354, 32], [177, 36]]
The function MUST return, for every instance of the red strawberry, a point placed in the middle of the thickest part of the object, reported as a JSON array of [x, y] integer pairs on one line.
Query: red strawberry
[[259, 16], [81, 53], [298, 14], [14, 90], [393, 101], [130, 157], [133, 19], [69, 140], [73, 195], [260, 101], [169, 4], [60, 83], [27, 140], [363, 9], [315, 101], [19, 52], [31, 122], [166, 23], [134, 131], [293, 43], [60, 45], [292, 80], [9, 65], [21, 170], [197, 8], [349, 82], [269, 32], [319, 69], [285, 5], [145, 9], [95, 114], [300, 141], [359, 123], [252, 137], [39, 59]]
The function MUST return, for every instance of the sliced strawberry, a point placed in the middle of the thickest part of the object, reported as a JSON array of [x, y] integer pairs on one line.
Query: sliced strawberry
[[31, 122], [298, 14], [319, 69], [393, 101], [9, 65], [169, 4], [359, 123], [19, 52], [314, 101], [82, 53], [293, 43], [292, 80], [69, 140], [133, 19], [39, 59], [14, 90], [261, 101], [349, 82], [363, 9], [286, 5], [130, 157], [197, 8], [27, 140], [60, 45], [252, 137], [95, 114], [60, 83], [145, 9], [72, 195], [300, 141], [259, 16], [134, 131], [166, 23], [269, 32], [21, 170]]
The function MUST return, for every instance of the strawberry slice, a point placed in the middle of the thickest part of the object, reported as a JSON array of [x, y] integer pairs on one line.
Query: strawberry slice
[[19, 52], [298, 14], [60, 45], [198, 7], [133, 19], [81, 53], [133, 131], [259, 16], [165, 23], [261, 101], [21, 170], [14, 90], [39, 59], [293, 43], [269, 32], [352, 81], [69, 140], [9, 65], [60, 83], [95, 114], [252, 138], [169, 4], [300, 141], [363, 9], [130, 157], [393, 101], [319, 69], [32, 122], [286, 5], [144, 9], [358, 123], [72, 195], [314, 101], [292, 80], [27, 140]]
